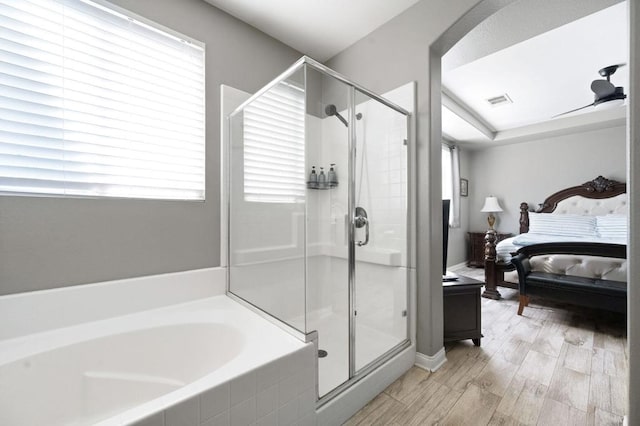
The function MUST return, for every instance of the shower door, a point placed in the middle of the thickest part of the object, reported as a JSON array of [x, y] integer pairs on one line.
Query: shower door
[[379, 299], [356, 231]]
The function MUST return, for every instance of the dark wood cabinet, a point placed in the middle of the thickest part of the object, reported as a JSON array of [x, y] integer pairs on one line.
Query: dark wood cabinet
[[476, 248], [462, 315]]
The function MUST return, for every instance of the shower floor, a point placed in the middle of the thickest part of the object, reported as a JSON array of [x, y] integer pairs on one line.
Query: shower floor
[[333, 337]]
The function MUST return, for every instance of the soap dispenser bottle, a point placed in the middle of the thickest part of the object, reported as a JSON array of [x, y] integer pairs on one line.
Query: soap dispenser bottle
[[332, 176], [322, 179], [313, 178]]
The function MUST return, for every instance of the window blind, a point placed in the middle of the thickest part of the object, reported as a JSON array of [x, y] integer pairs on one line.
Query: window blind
[[274, 155], [94, 102]]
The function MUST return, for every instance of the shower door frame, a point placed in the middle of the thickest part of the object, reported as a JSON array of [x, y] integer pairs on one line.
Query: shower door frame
[[311, 336]]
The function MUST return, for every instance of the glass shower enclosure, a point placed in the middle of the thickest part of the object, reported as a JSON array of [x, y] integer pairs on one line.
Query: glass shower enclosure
[[318, 184]]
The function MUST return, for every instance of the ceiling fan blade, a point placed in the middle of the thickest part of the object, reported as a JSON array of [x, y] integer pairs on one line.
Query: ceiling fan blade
[[610, 70], [602, 88], [573, 110]]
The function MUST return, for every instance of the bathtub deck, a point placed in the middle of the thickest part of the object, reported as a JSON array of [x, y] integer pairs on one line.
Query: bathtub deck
[[256, 355]]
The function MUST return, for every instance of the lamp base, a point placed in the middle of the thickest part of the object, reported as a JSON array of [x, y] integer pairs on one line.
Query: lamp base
[[491, 220]]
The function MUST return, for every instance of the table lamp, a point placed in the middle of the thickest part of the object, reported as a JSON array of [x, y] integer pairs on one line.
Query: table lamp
[[491, 206]]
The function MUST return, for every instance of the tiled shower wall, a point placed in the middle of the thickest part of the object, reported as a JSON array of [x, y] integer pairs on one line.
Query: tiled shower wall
[[280, 393]]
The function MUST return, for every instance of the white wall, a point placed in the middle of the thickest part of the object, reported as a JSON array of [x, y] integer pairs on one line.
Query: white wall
[[529, 172]]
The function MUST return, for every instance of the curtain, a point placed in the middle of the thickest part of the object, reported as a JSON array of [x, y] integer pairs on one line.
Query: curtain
[[451, 182], [454, 214]]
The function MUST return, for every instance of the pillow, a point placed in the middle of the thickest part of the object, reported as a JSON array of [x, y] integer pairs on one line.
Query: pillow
[[612, 226], [569, 225]]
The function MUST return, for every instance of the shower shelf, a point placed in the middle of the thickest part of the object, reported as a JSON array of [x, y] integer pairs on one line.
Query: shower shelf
[[310, 186]]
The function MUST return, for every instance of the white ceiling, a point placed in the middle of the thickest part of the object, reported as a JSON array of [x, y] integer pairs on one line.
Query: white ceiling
[[320, 28], [544, 76], [507, 27], [542, 53]]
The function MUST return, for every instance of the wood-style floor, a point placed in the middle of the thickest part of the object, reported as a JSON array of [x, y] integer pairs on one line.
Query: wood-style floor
[[555, 365]]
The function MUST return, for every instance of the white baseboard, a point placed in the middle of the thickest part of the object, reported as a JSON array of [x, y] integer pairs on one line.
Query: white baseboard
[[625, 421], [431, 363]]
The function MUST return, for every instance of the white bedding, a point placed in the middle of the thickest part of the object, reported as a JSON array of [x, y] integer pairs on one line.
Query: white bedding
[[567, 227], [510, 245], [504, 249]]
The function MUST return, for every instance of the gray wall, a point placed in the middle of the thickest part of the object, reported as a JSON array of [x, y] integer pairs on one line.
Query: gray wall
[[394, 54], [53, 242], [532, 171]]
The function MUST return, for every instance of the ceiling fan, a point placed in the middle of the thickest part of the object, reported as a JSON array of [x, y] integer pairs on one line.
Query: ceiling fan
[[604, 90]]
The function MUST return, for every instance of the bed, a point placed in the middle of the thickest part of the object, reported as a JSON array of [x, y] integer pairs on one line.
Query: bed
[[592, 212]]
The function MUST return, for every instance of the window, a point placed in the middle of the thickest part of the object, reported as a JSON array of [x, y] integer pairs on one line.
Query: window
[[274, 157], [95, 102]]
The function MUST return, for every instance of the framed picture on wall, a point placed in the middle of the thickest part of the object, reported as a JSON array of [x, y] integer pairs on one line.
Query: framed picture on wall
[[464, 187]]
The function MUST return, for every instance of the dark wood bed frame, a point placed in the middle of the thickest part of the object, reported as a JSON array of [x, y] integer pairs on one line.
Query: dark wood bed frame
[[494, 270]]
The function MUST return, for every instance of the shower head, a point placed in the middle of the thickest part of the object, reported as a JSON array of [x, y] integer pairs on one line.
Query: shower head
[[332, 110]]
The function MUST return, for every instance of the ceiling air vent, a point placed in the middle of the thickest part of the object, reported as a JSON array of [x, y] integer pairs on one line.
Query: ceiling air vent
[[499, 100]]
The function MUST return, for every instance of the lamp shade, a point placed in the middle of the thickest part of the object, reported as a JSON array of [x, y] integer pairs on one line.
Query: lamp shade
[[491, 205]]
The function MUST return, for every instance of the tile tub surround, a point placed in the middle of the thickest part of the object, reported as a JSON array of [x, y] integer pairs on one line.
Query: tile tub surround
[[264, 382], [37, 311], [281, 393]]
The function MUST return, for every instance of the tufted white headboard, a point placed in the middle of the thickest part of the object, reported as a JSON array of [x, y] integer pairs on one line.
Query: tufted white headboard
[[597, 197], [592, 207]]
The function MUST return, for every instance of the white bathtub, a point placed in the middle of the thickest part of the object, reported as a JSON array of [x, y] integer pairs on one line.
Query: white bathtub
[[182, 364]]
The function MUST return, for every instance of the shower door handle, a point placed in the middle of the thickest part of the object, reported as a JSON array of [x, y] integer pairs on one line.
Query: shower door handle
[[362, 220]]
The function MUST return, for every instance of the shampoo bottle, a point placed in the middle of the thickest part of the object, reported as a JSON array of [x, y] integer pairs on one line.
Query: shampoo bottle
[[322, 179], [313, 178], [332, 177]]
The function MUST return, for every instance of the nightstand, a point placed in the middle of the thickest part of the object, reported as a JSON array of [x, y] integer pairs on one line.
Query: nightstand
[[461, 306], [476, 248]]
